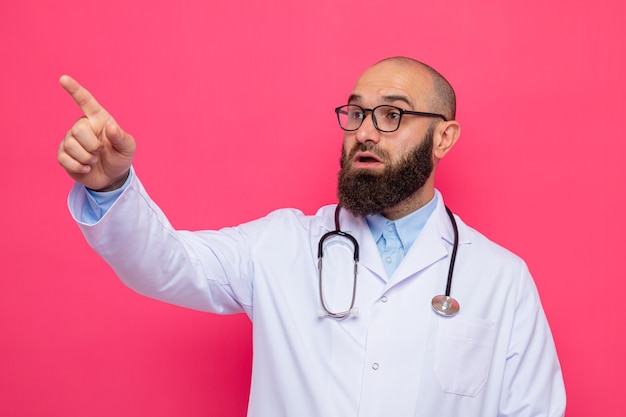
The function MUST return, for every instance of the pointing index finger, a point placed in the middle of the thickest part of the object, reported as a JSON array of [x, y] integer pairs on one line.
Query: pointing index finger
[[81, 96]]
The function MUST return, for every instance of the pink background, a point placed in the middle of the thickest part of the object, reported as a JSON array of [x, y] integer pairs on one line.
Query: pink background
[[231, 104]]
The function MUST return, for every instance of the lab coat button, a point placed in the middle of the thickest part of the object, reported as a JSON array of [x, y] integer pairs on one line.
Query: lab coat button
[[383, 298], [375, 366]]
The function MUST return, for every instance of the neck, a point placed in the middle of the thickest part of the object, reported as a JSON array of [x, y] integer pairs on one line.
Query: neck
[[416, 201]]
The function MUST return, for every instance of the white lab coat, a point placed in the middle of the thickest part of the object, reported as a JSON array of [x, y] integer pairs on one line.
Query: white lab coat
[[395, 358]]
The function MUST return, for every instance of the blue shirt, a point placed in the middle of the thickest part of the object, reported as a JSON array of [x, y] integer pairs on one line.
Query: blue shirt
[[100, 202], [394, 238]]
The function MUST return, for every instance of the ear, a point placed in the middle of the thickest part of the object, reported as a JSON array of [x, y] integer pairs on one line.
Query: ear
[[445, 137]]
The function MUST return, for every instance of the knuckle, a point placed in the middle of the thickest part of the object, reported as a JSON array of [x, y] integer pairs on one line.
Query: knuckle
[[74, 150], [83, 135], [69, 164]]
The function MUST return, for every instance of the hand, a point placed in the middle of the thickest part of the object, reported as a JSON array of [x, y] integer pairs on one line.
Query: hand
[[95, 152]]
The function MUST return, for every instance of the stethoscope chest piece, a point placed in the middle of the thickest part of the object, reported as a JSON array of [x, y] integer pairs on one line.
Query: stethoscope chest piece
[[444, 305]]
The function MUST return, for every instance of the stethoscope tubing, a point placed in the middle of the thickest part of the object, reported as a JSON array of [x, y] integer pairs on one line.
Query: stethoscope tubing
[[455, 247], [444, 305]]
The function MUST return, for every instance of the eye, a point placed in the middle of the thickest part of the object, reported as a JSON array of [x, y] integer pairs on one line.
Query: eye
[[392, 113], [355, 114]]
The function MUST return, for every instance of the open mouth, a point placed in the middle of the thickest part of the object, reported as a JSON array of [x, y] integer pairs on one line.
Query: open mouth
[[368, 159], [365, 159]]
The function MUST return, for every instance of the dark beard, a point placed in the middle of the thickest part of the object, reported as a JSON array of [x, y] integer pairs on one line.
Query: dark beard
[[363, 192]]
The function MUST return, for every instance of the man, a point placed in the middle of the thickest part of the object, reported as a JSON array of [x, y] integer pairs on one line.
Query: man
[[372, 346]]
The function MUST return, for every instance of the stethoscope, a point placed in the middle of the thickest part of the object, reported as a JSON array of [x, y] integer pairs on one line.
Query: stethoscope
[[444, 305]]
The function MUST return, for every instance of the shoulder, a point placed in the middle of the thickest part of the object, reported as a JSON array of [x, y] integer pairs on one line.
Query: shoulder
[[289, 220], [486, 251]]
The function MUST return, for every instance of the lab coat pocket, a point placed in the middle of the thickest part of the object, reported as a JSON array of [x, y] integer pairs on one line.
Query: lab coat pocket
[[463, 355]]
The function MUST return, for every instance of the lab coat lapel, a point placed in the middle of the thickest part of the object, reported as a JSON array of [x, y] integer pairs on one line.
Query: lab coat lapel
[[432, 245], [427, 249], [369, 257]]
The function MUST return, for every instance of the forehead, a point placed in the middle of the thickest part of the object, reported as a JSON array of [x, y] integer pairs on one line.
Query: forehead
[[389, 81]]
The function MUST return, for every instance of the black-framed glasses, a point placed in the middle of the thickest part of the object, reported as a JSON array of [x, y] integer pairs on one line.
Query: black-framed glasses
[[385, 118]]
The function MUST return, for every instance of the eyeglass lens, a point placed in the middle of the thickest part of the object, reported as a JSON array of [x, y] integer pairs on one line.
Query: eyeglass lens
[[385, 118]]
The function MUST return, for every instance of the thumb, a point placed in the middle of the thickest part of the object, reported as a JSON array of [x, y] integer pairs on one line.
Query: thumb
[[121, 141]]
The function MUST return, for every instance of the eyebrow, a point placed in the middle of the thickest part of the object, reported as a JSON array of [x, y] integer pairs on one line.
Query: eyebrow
[[387, 99]]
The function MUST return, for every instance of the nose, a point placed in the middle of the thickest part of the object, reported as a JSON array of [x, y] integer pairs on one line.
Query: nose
[[367, 131]]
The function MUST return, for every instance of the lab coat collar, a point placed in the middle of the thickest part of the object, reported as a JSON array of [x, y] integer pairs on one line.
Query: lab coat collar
[[432, 244], [369, 257]]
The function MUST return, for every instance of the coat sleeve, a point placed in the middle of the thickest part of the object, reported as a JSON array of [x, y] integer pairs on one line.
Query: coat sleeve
[[533, 382], [207, 271]]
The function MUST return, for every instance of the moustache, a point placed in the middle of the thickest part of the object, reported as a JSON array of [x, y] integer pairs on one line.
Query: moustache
[[368, 147]]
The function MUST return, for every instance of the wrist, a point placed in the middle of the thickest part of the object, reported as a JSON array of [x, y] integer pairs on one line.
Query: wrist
[[117, 184]]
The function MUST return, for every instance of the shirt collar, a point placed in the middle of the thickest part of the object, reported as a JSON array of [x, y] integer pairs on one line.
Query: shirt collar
[[407, 227]]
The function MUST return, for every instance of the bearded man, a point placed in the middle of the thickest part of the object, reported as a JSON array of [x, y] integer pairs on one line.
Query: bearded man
[[344, 319]]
